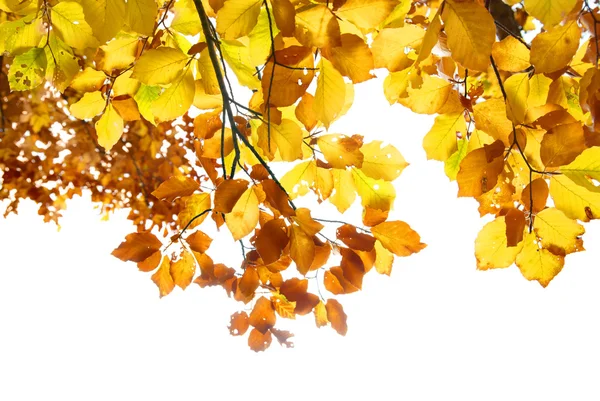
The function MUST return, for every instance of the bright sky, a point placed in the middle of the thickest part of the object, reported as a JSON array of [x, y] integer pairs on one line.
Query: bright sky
[[78, 324]]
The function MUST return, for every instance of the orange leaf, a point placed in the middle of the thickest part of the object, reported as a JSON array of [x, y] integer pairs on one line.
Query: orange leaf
[[306, 222], [337, 317], [295, 290], [302, 249], [249, 282], [228, 193], [238, 324], [263, 316], [162, 278], [398, 238], [321, 315], [355, 240], [258, 341], [137, 247], [537, 191], [271, 241], [277, 198], [150, 263], [199, 241], [515, 224], [175, 187], [183, 270]]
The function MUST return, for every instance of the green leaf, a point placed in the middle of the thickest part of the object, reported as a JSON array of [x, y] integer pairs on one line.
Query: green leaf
[[27, 70]]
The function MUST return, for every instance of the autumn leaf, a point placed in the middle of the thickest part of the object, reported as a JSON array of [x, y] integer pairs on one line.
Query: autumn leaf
[[175, 187], [137, 247], [239, 324], [337, 317], [262, 317], [398, 238], [182, 270], [163, 279]]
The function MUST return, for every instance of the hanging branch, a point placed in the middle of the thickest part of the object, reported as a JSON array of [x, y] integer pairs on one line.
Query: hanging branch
[[212, 45]]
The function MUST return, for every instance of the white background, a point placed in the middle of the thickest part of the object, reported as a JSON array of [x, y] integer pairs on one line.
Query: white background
[[78, 324]]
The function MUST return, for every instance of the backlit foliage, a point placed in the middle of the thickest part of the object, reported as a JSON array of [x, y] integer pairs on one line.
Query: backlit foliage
[[137, 102]]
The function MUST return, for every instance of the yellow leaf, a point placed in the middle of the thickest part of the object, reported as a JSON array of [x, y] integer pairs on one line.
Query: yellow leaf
[[340, 151], [119, 53], [382, 162], [305, 176], [374, 194], [89, 106], [205, 101], [537, 263], [452, 164], [162, 278], [471, 33], [398, 238], [428, 98], [345, 192], [479, 170], [389, 47], [316, 26], [384, 259], [195, 210], [302, 249], [320, 314], [517, 91], [550, 12], [185, 18], [260, 38], [237, 18], [160, 66], [330, 93], [21, 35], [553, 50], [109, 128], [490, 117], [287, 136], [62, 64], [176, 100], [352, 58], [141, 15], [539, 86], [207, 72], [575, 201], [282, 306], [182, 271], [125, 85], [88, 80], [557, 230], [431, 37], [144, 97], [244, 216], [511, 55], [584, 169], [441, 141], [562, 144], [237, 55], [491, 248], [27, 70], [366, 14], [105, 17], [69, 22]]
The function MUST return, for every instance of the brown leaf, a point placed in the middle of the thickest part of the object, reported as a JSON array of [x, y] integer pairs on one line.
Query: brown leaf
[[249, 282], [537, 191], [137, 247], [283, 337], [295, 290]]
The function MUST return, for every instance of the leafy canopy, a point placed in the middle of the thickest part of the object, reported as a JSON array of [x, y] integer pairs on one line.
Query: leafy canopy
[[134, 101]]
